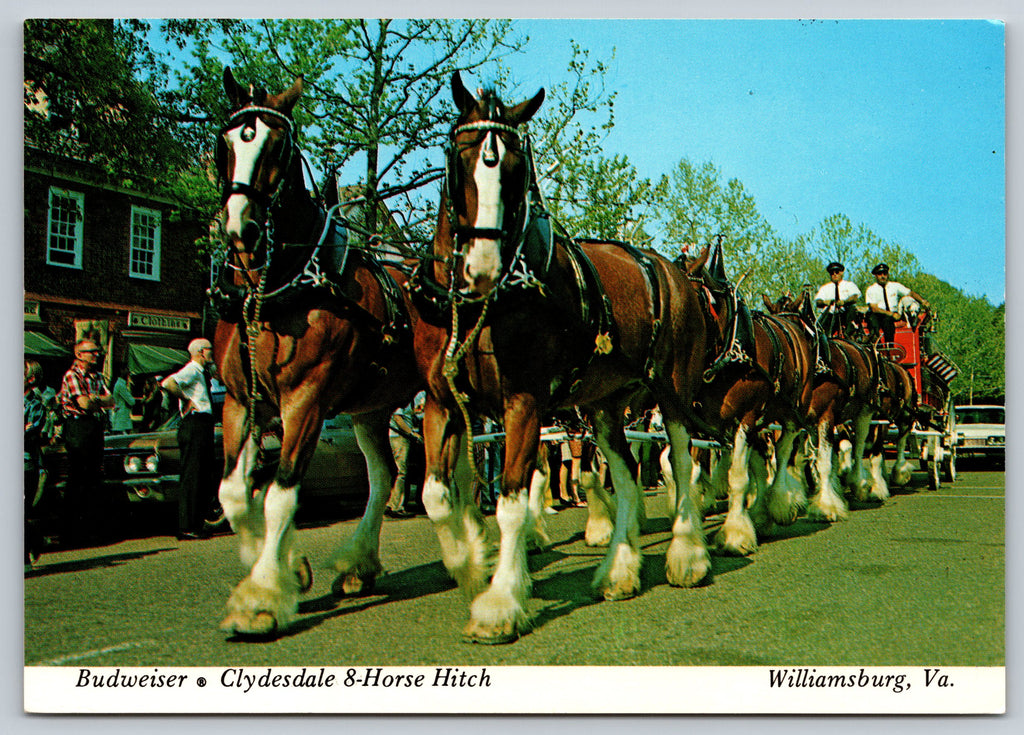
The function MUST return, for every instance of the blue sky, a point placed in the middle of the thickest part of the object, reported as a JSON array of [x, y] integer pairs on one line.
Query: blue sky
[[896, 124]]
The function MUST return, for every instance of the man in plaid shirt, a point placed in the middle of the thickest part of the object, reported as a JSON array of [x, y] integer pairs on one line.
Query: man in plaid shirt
[[83, 396]]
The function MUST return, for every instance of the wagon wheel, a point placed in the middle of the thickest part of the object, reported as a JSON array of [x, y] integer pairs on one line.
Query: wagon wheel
[[949, 465], [934, 464], [924, 453]]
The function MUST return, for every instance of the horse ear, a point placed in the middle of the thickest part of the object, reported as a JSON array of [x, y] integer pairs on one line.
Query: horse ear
[[237, 95], [464, 99], [805, 309], [768, 303], [800, 300], [287, 99], [697, 263], [525, 110]]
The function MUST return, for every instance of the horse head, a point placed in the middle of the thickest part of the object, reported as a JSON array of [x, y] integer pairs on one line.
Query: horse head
[[488, 179], [786, 303], [256, 153]]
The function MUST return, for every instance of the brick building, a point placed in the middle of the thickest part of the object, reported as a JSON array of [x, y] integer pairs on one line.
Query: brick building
[[118, 263]]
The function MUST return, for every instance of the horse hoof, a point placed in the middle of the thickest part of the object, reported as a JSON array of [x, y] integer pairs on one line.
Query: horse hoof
[[349, 585], [488, 636], [735, 551], [305, 575], [615, 592], [261, 625]]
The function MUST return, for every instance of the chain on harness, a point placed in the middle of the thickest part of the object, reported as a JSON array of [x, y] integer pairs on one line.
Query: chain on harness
[[454, 353]]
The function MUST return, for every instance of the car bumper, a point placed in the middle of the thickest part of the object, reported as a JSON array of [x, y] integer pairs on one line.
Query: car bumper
[[162, 488]]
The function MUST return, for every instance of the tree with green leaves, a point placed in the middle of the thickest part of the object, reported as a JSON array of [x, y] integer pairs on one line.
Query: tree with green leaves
[[604, 197], [95, 91], [699, 209], [972, 333], [590, 194]]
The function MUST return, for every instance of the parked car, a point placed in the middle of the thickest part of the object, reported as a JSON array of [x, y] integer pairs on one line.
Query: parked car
[[981, 431], [143, 468]]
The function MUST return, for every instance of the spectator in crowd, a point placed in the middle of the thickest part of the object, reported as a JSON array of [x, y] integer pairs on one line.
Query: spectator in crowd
[[35, 419], [650, 451], [405, 430], [494, 457], [573, 455], [199, 479], [152, 404], [83, 397], [837, 300], [121, 415], [52, 427]]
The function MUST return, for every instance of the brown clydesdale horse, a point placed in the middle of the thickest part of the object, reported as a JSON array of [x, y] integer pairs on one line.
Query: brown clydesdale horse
[[896, 405], [760, 373], [893, 403], [533, 321], [845, 391], [309, 328]]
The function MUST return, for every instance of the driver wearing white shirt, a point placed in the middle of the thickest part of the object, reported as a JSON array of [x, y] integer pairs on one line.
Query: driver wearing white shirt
[[883, 298], [837, 300]]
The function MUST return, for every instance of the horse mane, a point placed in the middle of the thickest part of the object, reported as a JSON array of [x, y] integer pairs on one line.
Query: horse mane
[[490, 104]]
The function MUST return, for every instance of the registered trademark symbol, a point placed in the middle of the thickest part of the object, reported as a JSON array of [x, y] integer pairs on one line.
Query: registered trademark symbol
[[201, 681]]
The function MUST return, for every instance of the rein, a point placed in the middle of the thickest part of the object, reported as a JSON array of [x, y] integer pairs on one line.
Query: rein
[[252, 333]]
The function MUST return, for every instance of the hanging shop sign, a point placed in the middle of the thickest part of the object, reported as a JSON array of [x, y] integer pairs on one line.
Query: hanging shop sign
[[143, 320]]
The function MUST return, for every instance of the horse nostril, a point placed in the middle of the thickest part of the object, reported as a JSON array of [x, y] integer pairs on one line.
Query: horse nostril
[[251, 234]]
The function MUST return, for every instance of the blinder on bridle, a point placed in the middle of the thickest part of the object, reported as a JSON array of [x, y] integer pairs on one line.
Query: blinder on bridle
[[453, 180]]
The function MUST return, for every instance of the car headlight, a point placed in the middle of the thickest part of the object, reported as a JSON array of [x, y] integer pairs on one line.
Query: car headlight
[[136, 463], [996, 441]]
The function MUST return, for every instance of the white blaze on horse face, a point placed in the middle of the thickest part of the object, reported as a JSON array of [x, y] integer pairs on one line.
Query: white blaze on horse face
[[247, 154], [483, 261]]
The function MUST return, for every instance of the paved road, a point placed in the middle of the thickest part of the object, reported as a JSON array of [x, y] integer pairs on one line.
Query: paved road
[[918, 581]]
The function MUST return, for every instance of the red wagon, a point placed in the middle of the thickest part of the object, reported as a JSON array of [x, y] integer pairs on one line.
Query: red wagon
[[935, 432]]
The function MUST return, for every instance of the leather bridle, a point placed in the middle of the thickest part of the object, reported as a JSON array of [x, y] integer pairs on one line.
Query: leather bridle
[[266, 200], [466, 233]]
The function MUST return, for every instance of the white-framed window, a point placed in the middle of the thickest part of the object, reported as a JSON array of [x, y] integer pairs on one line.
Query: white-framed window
[[216, 262], [144, 255], [64, 229]]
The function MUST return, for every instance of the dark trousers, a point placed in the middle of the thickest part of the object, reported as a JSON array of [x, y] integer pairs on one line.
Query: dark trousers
[[198, 483], [85, 507], [33, 536], [838, 324], [882, 323]]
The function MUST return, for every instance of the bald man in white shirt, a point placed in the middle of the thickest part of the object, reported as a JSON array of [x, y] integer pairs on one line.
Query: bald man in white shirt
[[199, 477]]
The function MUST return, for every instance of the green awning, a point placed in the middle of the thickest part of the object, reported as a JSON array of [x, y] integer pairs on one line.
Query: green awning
[[144, 359], [39, 345]]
